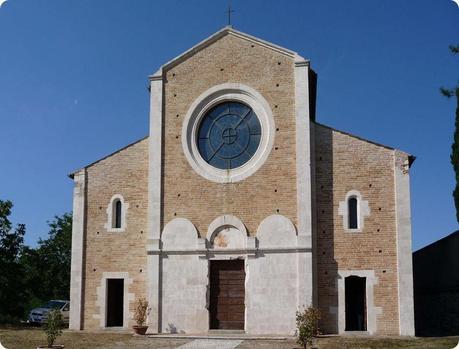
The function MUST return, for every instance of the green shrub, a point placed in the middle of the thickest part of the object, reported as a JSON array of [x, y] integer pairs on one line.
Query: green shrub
[[53, 326], [307, 324]]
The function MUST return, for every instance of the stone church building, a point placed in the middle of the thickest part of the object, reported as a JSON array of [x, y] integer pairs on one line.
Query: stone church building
[[240, 208]]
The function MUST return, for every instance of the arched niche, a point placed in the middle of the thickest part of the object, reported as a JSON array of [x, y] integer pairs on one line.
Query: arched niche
[[179, 233], [227, 232], [276, 231]]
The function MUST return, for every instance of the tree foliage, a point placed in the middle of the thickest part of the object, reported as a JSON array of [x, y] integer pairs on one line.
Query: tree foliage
[[53, 326], [12, 295], [32, 276], [54, 254], [454, 92], [307, 324]]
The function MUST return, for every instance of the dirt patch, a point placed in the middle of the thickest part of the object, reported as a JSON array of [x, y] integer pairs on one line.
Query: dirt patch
[[27, 337]]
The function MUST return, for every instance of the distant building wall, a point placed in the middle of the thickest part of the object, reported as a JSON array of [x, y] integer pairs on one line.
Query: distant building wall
[[436, 287]]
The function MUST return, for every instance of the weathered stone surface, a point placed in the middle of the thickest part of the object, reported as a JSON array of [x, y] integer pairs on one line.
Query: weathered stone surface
[[255, 198], [272, 280], [345, 163], [124, 173], [284, 220]]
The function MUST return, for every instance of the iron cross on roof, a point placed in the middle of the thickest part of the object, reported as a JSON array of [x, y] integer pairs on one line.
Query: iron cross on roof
[[229, 11]]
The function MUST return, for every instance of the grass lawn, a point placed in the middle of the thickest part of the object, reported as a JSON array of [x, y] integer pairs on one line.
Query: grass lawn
[[30, 337]]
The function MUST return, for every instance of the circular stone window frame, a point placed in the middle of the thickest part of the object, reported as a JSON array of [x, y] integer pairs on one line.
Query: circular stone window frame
[[229, 92]]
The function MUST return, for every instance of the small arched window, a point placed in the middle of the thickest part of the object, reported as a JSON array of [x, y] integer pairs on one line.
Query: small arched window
[[353, 220], [117, 211], [116, 214]]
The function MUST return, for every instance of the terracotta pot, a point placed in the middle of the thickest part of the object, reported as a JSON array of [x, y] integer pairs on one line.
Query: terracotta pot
[[140, 330]]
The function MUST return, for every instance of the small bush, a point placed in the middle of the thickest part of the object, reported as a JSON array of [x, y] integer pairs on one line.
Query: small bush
[[53, 326], [141, 311], [307, 324]]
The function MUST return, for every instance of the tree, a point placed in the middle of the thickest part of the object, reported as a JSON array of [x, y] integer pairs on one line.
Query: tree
[[32, 276], [12, 293], [307, 325], [54, 255], [46, 268], [53, 327], [455, 146], [30, 261]]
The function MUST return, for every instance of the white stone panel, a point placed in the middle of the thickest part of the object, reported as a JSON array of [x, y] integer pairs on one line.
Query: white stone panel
[[276, 231], [212, 344], [184, 281], [78, 230], [404, 254], [272, 279], [271, 290], [179, 233], [154, 197]]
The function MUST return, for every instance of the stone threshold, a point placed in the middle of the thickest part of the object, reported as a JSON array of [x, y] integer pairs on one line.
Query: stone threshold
[[220, 334]]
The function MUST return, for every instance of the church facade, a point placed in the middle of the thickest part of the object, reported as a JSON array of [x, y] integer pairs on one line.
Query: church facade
[[239, 208]]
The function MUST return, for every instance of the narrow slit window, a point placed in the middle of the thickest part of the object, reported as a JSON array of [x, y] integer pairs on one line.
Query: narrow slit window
[[117, 214], [353, 214]]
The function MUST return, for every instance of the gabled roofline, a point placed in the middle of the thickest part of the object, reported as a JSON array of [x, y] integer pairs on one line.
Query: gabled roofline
[[411, 158], [72, 174], [228, 30], [432, 244]]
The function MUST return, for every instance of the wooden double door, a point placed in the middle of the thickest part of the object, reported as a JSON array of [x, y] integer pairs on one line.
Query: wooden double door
[[227, 295]]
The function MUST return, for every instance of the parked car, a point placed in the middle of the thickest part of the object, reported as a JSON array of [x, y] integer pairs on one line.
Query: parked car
[[38, 315]]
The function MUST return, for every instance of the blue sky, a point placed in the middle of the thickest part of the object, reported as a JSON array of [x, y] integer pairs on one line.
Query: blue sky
[[73, 77]]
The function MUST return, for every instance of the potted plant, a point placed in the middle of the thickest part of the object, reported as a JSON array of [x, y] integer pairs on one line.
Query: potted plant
[[53, 329], [140, 316], [307, 324]]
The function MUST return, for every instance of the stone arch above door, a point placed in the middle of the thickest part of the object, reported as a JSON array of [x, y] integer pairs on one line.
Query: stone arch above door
[[227, 232]]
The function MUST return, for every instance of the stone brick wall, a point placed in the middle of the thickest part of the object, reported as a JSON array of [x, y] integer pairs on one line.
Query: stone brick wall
[[345, 163], [273, 186], [342, 163], [125, 173]]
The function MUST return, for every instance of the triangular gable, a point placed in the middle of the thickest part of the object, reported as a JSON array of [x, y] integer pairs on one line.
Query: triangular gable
[[228, 30]]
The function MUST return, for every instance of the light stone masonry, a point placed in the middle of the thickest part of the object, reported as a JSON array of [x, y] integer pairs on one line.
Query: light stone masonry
[[284, 213]]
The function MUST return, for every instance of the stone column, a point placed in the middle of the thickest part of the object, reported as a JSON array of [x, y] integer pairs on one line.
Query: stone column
[[154, 201], [404, 253], [77, 265], [303, 182]]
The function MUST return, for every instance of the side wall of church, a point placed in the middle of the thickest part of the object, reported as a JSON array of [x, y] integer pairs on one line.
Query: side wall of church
[[270, 190], [115, 254], [343, 164]]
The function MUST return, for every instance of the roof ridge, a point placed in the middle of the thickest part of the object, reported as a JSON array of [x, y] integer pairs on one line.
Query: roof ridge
[[71, 174], [227, 30], [437, 241], [362, 139]]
